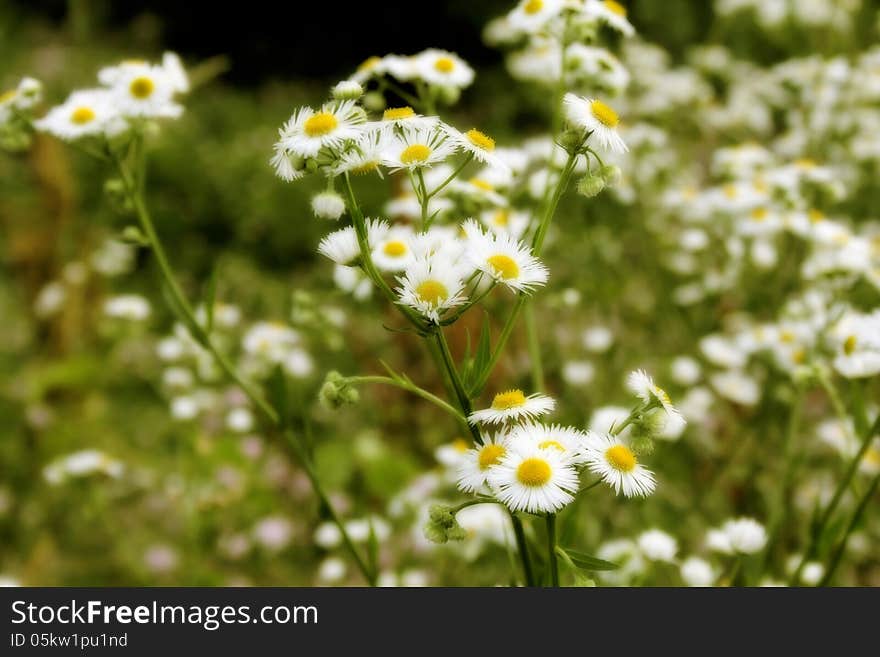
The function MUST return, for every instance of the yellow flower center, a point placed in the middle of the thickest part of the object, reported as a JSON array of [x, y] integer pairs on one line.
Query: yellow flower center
[[730, 191], [533, 6], [480, 140], [604, 114], [849, 345], [504, 401], [490, 455], [142, 87], [320, 124], [432, 292], [759, 214], [445, 64], [615, 7], [759, 185], [872, 457], [799, 356], [504, 265], [415, 154], [501, 218], [805, 163], [534, 472], [621, 458], [397, 113], [365, 168], [786, 337], [369, 63], [82, 115], [815, 216], [6, 96], [662, 395], [479, 183], [551, 444], [395, 249], [460, 445]]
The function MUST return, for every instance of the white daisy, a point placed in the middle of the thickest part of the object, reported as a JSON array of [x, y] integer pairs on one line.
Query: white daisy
[[610, 12], [27, 94], [308, 131], [419, 148], [504, 258], [569, 442], [535, 480], [475, 465], [287, 165], [531, 16], [657, 545], [443, 68], [83, 114], [611, 458], [478, 144], [643, 386], [738, 536], [406, 117], [342, 246], [431, 286], [597, 118], [506, 221], [394, 251], [513, 405], [363, 155], [147, 91]]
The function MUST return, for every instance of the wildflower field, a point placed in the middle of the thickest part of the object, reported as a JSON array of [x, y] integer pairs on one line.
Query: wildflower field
[[594, 301]]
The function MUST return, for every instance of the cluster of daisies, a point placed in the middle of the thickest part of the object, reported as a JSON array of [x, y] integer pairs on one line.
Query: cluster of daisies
[[130, 92], [441, 263], [535, 467], [551, 40]]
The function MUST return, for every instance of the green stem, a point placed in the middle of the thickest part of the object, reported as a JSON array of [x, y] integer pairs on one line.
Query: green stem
[[561, 186], [452, 176], [551, 549], [413, 388], [815, 539], [463, 400], [269, 412], [523, 548], [853, 523], [369, 267]]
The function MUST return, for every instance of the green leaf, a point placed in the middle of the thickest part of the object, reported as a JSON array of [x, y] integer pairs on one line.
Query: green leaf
[[587, 562], [481, 358]]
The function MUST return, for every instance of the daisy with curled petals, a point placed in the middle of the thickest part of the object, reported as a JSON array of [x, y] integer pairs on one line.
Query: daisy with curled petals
[[342, 246], [287, 166], [504, 259], [530, 16], [616, 464], [443, 69], [308, 131], [431, 286], [83, 114], [475, 464], [610, 12], [478, 144], [569, 442], [418, 149], [596, 118], [534, 480], [642, 386], [364, 154], [513, 405]]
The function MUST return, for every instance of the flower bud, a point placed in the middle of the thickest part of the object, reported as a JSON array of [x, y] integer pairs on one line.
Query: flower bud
[[591, 186], [375, 102], [347, 90], [328, 205]]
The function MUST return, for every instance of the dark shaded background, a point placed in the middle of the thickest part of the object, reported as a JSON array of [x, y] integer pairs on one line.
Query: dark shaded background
[[321, 39]]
